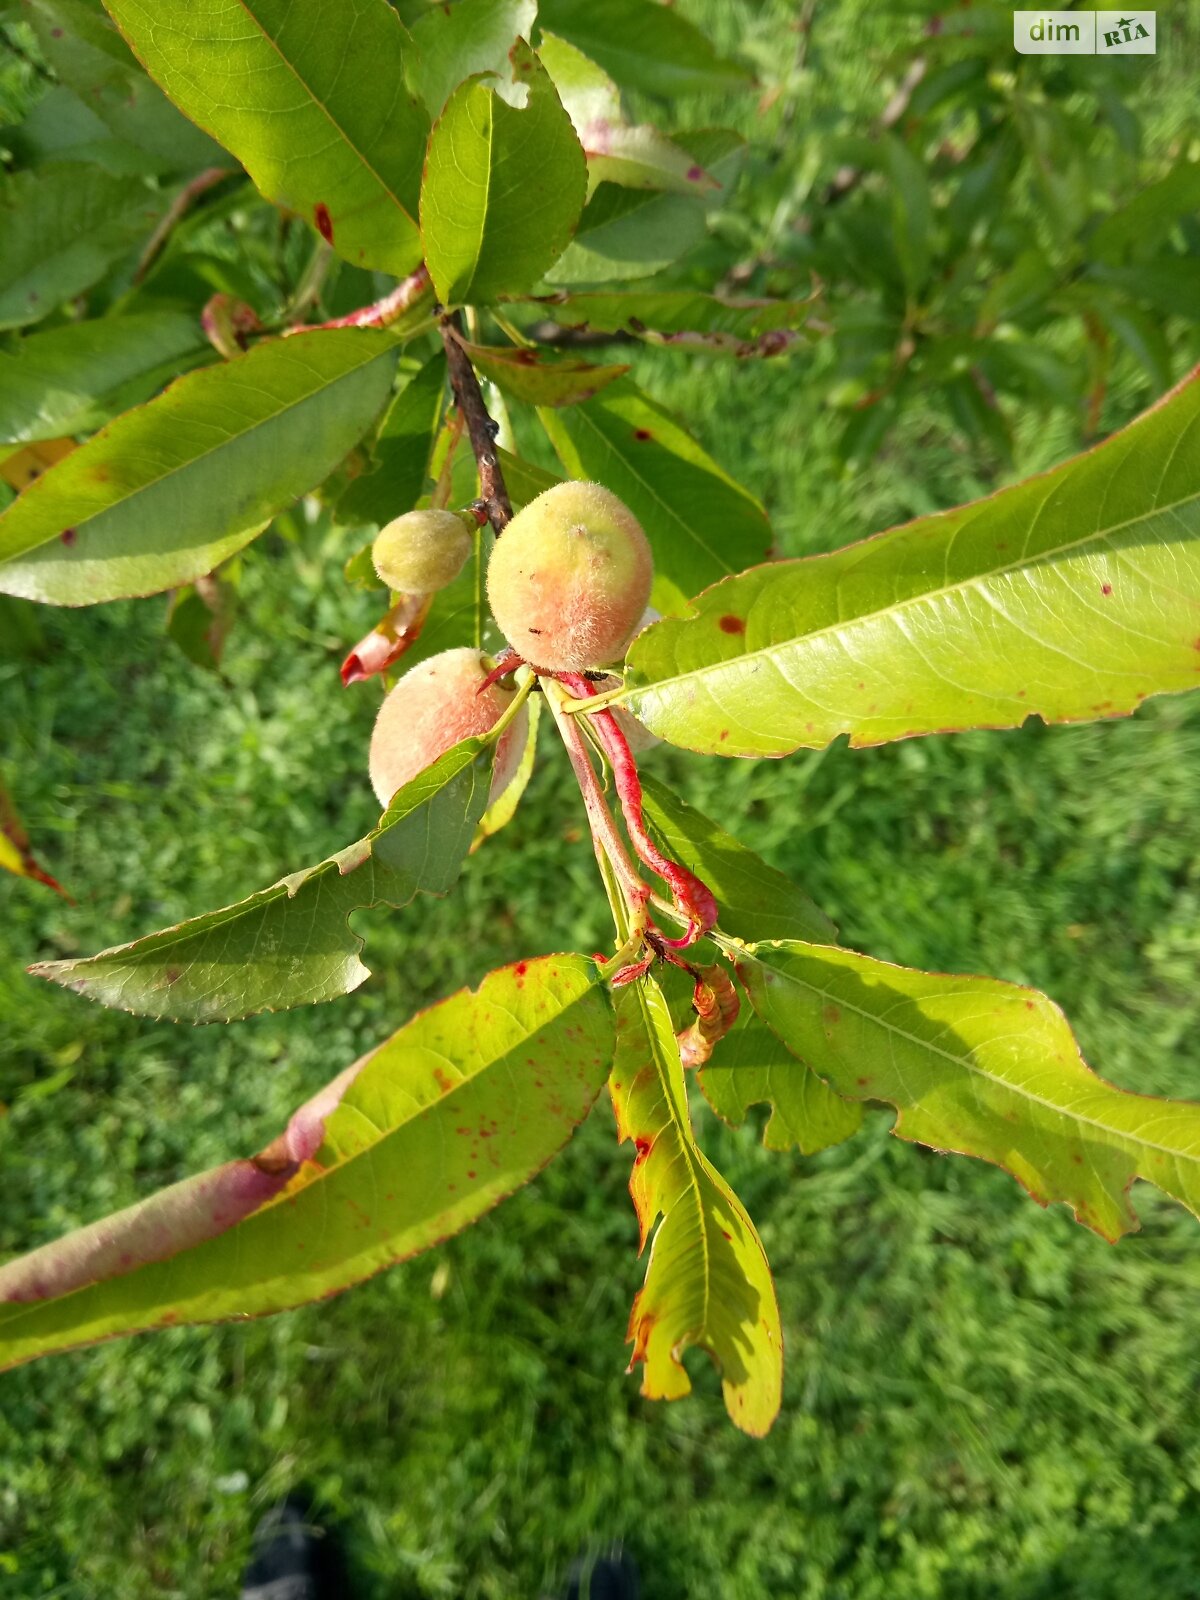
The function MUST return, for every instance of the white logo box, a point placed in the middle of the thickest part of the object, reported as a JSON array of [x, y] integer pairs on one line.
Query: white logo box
[[1084, 33]]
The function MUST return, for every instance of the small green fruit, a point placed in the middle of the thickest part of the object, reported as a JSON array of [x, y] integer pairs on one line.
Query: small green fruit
[[422, 551], [433, 706], [570, 577]]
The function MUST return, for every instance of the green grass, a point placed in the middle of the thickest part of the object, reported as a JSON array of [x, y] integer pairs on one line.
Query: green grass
[[981, 1398]]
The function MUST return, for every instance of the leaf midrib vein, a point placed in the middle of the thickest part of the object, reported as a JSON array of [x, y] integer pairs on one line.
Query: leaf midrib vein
[[1021, 564], [968, 1064], [325, 111], [192, 461]]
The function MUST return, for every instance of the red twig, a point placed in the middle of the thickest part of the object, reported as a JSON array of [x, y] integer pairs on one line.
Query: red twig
[[606, 840], [693, 898], [383, 312]]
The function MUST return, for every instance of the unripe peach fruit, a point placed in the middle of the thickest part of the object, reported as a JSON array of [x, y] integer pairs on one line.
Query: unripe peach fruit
[[570, 577], [433, 706], [422, 551]]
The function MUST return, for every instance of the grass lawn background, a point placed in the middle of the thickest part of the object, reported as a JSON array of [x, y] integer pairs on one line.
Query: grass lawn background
[[981, 1398]]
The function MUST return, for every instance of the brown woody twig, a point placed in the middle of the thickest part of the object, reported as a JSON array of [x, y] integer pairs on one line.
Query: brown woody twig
[[481, 430]]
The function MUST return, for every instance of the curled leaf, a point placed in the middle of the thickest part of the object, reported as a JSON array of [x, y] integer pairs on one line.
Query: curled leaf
[[716, 1004], [388, 640]]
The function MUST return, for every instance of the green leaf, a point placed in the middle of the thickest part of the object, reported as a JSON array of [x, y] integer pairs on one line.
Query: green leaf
[[504, 807], [755, 901], [1142, 225], [71, 379], [401, 451], [683, 318], [503, 185], [60, 128], [63, 227], [634, 233], [751, 1067], [200, 618], [1072, 596], [638, 156], [316, 111], [461, 41], [699, 521], [644, 46], [86, 52], [707, 1280], [909, 197], [409, 1145], [290, 945], [1141, 332], [540, 380], [1170, 284], [981, 1068], [523, 480], [165, 493]]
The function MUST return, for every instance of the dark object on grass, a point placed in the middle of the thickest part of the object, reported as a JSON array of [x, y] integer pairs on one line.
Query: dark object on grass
[[610, 1574], [294, 1556]]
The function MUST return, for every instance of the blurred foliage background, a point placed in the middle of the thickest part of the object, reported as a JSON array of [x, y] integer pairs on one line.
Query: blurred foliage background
[[982, 1399]]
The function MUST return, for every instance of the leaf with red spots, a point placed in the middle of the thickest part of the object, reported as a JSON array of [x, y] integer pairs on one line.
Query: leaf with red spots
[[977, 1067], [708, 1283], [634, 233], [319, 115], [291, 945], [409, 1145], [168, 491], [637, 156], [1072, 596], [685, 319], [541, 380]]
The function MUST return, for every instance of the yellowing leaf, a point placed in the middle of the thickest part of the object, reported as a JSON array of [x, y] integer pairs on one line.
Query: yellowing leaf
[[404, 1148], [707, 1281], [980, 1067]]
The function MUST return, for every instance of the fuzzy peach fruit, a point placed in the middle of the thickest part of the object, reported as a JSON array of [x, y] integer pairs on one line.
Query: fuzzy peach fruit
[[570, 577], [422, 551], [433, 706]]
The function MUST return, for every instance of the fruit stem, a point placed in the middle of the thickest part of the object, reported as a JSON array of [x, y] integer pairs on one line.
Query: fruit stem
[[591, 701], [481, 429], [525, 683]]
